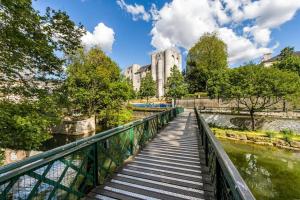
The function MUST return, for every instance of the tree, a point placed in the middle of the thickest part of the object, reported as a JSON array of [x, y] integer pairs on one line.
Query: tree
[[258, 88], [175, 86], [288, 61], [207, 56], [216, 84], [148, 87], [95, 85], [29, 43], [26, 124], [31, 70]]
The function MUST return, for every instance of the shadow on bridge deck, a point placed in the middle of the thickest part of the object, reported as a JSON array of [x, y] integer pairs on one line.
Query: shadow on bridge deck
[[171, 166]]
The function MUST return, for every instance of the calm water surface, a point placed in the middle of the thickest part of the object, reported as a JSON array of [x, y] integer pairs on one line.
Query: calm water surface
[[270, 173]]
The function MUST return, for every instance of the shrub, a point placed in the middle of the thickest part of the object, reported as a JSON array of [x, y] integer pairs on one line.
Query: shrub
[[287, 135], [270, 134], [286, 131]]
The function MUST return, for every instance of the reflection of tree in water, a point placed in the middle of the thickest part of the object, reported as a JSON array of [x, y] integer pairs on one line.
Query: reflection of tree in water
[[257, 177]]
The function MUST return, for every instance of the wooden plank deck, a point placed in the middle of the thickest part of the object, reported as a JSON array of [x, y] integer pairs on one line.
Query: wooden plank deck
[[170, 167]]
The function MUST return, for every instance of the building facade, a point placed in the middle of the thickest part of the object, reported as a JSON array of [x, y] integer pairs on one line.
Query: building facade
[[160, 68], [268, 60]]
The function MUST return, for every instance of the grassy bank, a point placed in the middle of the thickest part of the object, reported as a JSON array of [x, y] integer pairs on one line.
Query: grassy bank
[[283, 139]]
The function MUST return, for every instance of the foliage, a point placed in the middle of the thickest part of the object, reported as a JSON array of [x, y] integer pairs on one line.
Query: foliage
[[287, 131], [132, 92], [112, 118], [89, 76], [148, 87], [2, 157], [95, 85], [217, 84], [270, 134], [25, 125], [288, 61], [205, 58], [175, 86], [29, 45], [287, 135], [223, 132], [258, 88]]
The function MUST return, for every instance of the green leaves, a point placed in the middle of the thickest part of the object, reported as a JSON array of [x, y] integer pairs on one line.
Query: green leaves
[[29, 43], [257, 87], [25, 125], [175, 86], [288, 61], [96, 87], [207, 56], [148, 86]]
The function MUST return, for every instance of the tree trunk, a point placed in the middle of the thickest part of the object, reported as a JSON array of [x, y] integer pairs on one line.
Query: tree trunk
[[284, 109], [252, 120], [147, 99]]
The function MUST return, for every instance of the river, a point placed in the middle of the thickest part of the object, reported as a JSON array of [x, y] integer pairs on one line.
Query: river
[[270, 173]]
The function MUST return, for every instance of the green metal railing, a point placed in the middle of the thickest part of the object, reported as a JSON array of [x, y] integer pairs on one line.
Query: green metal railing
[[225, 178], [70, 171]]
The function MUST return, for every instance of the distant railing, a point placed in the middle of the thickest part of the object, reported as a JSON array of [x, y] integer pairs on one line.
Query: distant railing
[[70, 171], [226, 180]]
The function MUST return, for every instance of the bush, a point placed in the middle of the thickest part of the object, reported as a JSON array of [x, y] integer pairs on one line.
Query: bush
[[270, 134], [286, 131], [287, 135]]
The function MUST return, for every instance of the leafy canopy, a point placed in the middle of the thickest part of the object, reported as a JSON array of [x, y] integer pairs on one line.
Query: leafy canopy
[[29, 43], [288, 60], [95, 85], [30, 71], [207, 56], [25, 125], [148, 86], [176, 86], [258, 88]]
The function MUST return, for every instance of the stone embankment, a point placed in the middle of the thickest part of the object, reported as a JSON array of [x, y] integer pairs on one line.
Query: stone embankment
[[261, 140], [265, 123]]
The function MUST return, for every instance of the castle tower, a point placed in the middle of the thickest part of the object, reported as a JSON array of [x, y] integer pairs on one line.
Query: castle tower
[[161, 65]]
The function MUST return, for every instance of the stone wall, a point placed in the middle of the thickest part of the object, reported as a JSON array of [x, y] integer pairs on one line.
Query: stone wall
[[76, 127], [244, 122]]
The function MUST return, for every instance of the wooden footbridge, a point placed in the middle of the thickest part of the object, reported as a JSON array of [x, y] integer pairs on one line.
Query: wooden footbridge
[[170, 155]]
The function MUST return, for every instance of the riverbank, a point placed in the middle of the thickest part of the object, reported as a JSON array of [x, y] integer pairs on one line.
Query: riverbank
[[284, 139]]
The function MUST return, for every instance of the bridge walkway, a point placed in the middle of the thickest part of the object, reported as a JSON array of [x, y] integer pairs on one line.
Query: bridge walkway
[[171, 166]]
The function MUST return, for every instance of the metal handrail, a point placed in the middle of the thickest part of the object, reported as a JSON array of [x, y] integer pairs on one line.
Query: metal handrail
[[225, 177], [84, 152]]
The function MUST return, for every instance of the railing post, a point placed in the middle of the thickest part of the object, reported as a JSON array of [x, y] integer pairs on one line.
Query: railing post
[[217, 184], [96, 167], [131, 138], [206, 149], [157, 124]]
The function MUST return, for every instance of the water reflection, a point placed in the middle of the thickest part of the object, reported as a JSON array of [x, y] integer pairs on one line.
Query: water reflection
[[258, 177], [270, 173]]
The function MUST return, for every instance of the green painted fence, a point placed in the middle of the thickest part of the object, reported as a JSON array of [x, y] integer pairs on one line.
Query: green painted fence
[[70, 171]]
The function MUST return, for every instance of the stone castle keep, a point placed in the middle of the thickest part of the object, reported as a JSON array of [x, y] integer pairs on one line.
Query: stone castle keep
[[160, 68]]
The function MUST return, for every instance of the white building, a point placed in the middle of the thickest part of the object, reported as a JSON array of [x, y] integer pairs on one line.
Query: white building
[[160, 68], [268, 60]]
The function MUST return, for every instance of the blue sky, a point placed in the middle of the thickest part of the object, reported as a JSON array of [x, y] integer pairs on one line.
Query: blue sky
[[138, 32]]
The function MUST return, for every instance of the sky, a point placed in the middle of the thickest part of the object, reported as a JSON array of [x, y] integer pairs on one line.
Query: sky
[[130, 30]]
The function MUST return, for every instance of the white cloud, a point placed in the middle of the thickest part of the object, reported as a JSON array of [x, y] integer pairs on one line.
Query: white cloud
[[137, 11], [245, 25], [102, 37]]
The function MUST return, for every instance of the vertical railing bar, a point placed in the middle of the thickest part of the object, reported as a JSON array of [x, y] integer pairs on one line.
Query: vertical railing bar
[[96, 167]]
